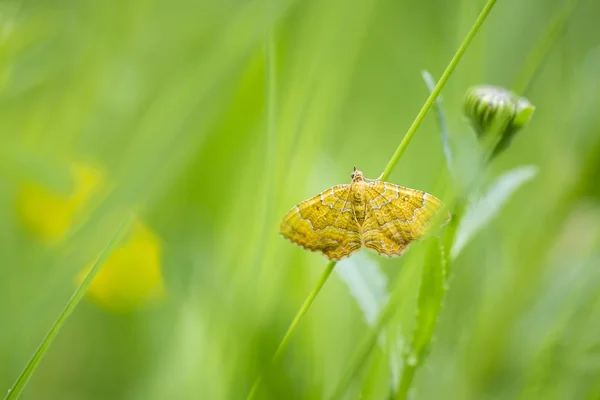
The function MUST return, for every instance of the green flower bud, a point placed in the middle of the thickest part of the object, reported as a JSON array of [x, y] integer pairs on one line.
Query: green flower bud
[[496, 115]]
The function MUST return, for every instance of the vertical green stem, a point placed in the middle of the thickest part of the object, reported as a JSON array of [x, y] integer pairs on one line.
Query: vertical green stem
[[366, 348], [443, 126], [408, 373], [369, 343], [270, 162], [22, 380], [432, 292], [305, 306], [541, 50], [437, 89], [288, 334]]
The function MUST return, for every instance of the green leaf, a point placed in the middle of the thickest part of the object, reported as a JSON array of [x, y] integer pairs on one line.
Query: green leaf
[[367, 284], [482, 210], [429, 305], [441, 118]]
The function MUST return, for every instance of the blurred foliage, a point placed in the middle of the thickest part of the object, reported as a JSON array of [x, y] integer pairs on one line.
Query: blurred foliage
[[161, 107]]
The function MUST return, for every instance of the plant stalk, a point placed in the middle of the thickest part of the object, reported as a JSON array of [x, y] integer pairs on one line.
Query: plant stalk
[[542, 49], [22, 380], [288, 334], [386, 173], [370, 342], [437, 89]]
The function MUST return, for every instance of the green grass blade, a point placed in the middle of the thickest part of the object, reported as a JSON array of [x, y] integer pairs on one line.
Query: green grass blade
[[369, 343], [438, 88], [429, 305], [367, 346], [288, 334], [22, 380], [441, 117], [367, 284], [546, 43]]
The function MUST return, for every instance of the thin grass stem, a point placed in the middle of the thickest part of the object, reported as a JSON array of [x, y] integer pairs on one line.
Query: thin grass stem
[[542, 49], [271, 145], [366, 348], [288, 334], [369, 343], [22, 380], [443, 126], [387, 171], [437, 89]]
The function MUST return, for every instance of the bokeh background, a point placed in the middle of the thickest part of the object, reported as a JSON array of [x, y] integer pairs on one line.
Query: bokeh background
[[210, 120]]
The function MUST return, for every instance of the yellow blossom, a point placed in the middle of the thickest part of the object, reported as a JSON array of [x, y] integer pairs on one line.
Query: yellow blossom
[[50, 215], [131, 276]]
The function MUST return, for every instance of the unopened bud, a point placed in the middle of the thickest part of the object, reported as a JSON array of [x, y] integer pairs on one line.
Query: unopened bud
[[496, 114]]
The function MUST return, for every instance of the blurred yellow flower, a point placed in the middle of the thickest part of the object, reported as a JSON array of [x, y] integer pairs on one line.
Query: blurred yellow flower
[[50, 215], [131, 277]]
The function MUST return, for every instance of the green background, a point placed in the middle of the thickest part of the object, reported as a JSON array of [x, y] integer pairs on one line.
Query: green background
[[171, 99]]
